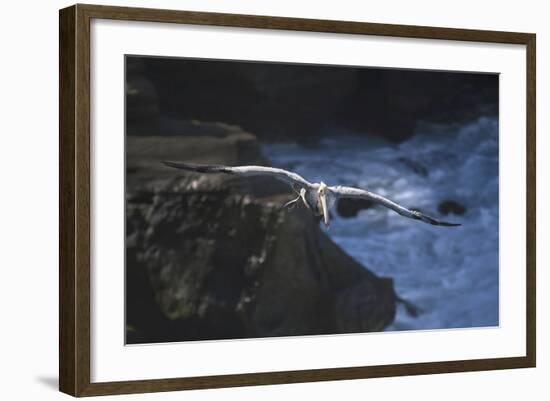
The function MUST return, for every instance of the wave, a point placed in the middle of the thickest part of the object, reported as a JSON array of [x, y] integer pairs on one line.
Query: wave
[[452, 274]]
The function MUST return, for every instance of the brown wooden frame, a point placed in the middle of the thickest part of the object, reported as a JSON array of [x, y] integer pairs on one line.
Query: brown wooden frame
[[74, 199]]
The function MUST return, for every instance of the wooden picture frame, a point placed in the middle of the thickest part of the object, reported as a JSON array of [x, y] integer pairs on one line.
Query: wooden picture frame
[[74, 204]]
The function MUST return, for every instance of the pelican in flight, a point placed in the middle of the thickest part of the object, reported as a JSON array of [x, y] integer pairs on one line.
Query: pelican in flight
[[317, 197]]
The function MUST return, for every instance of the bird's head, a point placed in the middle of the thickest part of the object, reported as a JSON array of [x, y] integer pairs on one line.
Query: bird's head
[[322, 193]]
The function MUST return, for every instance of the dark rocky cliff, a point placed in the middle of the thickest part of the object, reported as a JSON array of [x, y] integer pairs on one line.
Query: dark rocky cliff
[[300, 102], [210, 257]]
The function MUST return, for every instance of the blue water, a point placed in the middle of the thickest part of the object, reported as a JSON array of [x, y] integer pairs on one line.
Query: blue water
[[450, 273]]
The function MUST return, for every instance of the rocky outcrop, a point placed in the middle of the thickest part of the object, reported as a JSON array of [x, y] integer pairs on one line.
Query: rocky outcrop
[[198, 142], [207, 260], [349, 207], [301, 101], [450, 206]]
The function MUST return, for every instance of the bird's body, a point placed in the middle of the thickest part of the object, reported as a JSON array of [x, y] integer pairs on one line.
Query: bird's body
[[317, 197], [310, 198]]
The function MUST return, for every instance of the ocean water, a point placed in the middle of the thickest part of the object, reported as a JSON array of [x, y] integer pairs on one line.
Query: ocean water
[[450, 273]]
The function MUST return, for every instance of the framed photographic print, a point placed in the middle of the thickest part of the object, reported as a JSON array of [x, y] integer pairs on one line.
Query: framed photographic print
[[252, 200]]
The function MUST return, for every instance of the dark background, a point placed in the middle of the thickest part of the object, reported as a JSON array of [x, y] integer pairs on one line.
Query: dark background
[[299, 101]]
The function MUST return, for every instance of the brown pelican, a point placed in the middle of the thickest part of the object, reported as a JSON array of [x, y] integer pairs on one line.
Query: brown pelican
[[317, 197]]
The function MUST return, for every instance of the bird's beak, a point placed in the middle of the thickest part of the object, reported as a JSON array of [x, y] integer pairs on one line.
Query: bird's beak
[[323, 199]]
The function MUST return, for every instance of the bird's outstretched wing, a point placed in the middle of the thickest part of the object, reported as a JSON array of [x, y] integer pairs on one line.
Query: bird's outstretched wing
[[278, 173], [350, 192]]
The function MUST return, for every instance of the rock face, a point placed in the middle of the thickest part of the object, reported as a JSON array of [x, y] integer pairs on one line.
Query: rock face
[[206, 260], [142, 103], [349, 207], [301, 101], [450, 206]]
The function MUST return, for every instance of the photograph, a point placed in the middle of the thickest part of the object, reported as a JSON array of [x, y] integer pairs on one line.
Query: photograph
[[269, 199]]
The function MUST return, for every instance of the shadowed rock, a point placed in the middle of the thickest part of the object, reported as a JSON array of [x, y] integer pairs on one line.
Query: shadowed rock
[[300, 102], [450, 206], [349, 207], [205, 260]]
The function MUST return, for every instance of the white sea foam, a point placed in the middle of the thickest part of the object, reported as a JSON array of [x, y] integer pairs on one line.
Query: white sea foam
[[450, 273]]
